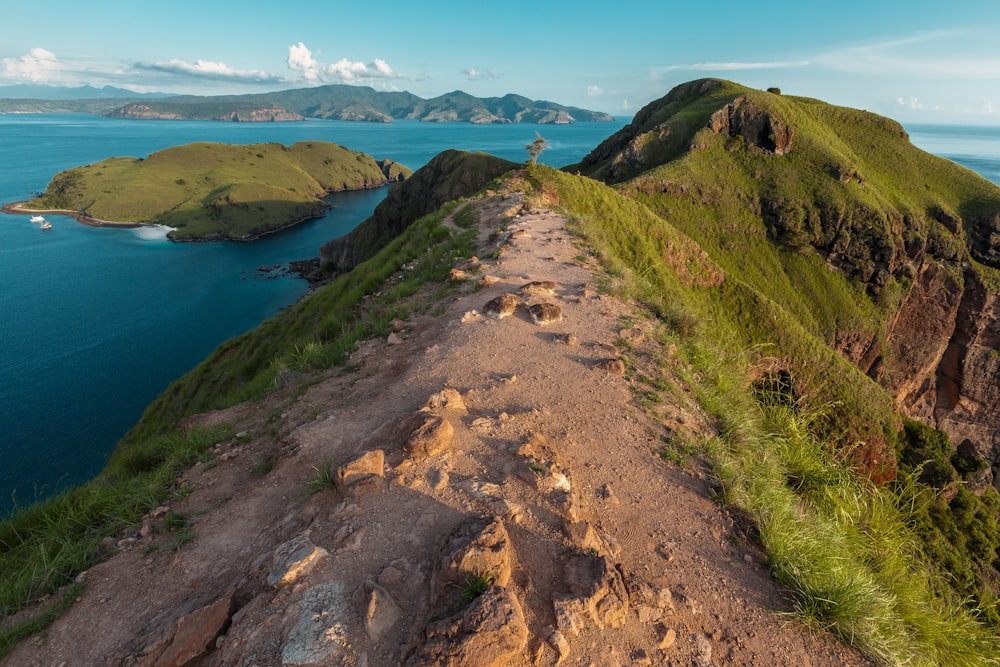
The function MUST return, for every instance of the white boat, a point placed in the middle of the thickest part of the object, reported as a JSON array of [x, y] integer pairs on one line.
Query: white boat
[[46, 225], [37, 218]]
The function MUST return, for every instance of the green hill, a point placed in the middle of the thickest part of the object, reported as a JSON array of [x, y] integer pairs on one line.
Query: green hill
[[828, 292], [217, 191]]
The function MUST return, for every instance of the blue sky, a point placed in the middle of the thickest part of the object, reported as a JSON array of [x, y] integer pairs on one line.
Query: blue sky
[[915, 61]]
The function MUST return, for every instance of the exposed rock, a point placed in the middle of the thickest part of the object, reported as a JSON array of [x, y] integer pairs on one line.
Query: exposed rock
[[558, 642], [611, 366], [491, 633], [478, 549], [192, 636], [429, 435], [545, 313], [596, 592], [758, 127], [369, 467], [320, 636], [382, 612], [446, 399], [667, 638], [538, 287], [293, 560], [502, 306]]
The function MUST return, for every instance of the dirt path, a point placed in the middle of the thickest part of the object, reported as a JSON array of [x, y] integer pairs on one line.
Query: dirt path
[[546, 443]]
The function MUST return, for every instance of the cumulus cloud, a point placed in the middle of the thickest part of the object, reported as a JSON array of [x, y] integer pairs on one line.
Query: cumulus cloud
[[207, 69], [594, 91], [37, 66], [302, 60], [474, 73]]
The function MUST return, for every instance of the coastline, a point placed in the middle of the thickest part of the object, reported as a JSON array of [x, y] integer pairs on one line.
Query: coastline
[[17, 208]]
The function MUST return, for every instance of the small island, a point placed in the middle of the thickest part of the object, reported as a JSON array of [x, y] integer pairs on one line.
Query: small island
[[210, 191]]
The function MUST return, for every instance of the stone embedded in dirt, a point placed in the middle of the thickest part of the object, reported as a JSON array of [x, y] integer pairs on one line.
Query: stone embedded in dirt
[[446, 399], [502, 306], [363, 470], [545, 313], [491, 632], [398, 325], [458, 275], [382, 612], [583, 535], [667, 638], [557, 641], [596, 591], [611, 366], [486, 281], [479, 549], [394, 339], [293, 560], [320, 636], [429, 435], [192, 636], [538, 288], [704, 648], [567, 339]]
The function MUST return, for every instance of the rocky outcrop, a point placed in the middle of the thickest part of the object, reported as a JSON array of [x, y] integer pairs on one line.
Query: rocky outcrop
[[260, 116], [449, 175], [757, 126], [137, 111]]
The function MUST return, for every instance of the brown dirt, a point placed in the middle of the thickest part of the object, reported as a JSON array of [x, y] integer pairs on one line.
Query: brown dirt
[[537, 402]]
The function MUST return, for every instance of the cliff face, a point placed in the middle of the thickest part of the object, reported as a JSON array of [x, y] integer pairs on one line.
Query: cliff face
[[730, 165]]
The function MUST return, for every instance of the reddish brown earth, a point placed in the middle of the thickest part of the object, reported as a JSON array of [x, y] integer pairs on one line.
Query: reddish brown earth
[[503, 449]]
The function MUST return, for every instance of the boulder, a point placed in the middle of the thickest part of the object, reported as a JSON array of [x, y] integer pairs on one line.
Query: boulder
[[597, 593], [293, 560], [491, 632], [192, 636], [429, 435]]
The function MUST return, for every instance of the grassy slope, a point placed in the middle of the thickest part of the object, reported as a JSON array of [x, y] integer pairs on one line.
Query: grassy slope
[[207, 190], [844, 547]]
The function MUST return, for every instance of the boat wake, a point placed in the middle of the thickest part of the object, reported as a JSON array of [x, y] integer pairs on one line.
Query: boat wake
[[153, 232]]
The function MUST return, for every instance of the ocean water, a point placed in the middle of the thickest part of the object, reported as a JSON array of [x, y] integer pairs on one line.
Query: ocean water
[[96, 322]]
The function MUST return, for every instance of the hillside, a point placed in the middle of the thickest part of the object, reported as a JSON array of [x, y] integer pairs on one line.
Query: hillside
[[335, 102], [662, 410], [212, 191]]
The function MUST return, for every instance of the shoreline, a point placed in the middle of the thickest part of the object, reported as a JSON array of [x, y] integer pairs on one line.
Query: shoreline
[[17, 208]]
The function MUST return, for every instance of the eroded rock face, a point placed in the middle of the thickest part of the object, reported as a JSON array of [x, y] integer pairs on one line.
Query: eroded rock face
[[758, 127], [597, 594], [491, 632]]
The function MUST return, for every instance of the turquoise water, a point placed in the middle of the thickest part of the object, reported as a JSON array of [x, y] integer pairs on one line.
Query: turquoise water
[[95, 323]]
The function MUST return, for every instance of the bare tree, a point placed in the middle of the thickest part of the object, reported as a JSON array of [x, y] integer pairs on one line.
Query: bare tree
[[535, 148]]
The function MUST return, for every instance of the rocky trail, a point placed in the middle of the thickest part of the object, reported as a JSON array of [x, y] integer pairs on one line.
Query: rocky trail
[[500, 500]]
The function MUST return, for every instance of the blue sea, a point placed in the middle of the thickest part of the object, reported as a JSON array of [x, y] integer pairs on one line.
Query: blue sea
[[95, 323]]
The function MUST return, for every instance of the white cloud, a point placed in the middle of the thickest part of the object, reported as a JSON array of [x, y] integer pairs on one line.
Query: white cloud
[[594, 91], [302, 60], [625, 105], [474, 74], [37, 66], [207, 69], [729, 66], [912, 102], [944, 54]]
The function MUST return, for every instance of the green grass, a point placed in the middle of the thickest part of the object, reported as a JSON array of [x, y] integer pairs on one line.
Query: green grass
[[44, 546], [207, 190], [843, 547], [323, 477]]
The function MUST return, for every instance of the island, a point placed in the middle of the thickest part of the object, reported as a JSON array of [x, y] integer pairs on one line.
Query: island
[[211, 191], [330, 102]]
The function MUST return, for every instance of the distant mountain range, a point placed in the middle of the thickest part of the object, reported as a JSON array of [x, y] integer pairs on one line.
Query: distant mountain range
[[336, 102], [34, 91]]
